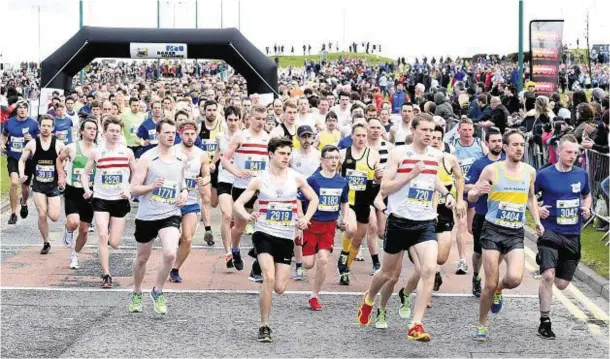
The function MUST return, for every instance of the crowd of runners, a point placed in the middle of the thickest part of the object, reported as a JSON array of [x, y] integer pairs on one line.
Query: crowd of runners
[[408, 171]]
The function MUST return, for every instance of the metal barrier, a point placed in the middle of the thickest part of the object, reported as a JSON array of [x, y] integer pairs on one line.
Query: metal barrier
[[534, 155], [598, 167]]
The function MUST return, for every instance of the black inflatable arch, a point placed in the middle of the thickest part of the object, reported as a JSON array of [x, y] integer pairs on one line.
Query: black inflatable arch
[[228, 44]]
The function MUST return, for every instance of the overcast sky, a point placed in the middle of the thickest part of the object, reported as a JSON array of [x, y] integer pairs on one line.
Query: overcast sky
[[407, 28]]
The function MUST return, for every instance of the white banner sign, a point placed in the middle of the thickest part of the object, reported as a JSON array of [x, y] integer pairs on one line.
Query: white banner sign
[[139, 50]]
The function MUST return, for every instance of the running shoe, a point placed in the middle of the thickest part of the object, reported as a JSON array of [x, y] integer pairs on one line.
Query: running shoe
[[74, 261], [264, 334], [438, 281], [237, 261], [364, 312], [46, 248], [159, 302], [405, 304], [544, 330], [359, 257], [342, 263], [461, 267], [91, 227], [476, 286], [256, 274], [68, 238], [299, 273], [136, 303], [344, 278], [229, 260], [496, 306], [174, 276], [106, 281], [481, 334], [24, 211], [417, 332], [208, 237], [12, 219], [249, 228], [376, 267], [381, 320], [314, 304]]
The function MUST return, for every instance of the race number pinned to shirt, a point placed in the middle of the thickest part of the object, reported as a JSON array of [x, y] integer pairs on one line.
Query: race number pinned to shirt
[[45, 173], [279, 214], [510, 215], [420, 195], [255, 167], [329, 199], [152, 137], [77, 174], [357, 180], [191, 180], [17, 144], [465, 164], [62, 136], [167, 193], [567, 211], [112, 178]]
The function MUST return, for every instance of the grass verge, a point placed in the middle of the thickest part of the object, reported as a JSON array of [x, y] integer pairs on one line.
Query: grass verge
[[297, 61], [594, 253], [5, 182]]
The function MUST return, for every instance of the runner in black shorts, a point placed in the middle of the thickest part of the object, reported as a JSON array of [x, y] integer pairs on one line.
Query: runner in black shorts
[[44, 151], [567, 201], [79, 213]]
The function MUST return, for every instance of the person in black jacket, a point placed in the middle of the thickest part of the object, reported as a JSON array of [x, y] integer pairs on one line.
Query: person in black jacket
[[498, 117], [510, 101]]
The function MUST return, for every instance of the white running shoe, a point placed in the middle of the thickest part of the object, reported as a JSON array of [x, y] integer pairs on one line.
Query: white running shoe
[[68, 238], [461, 267], [74, 261], [359, 257]]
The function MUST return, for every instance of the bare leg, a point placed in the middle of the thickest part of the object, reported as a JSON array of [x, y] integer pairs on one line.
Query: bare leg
[[139, 264], [169, 237], [189, 226]]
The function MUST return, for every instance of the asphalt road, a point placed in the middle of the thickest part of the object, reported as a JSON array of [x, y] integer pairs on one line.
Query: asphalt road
[[48, 310]]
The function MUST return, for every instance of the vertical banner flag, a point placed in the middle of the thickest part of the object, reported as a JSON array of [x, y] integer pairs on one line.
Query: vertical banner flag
[[545, 54]]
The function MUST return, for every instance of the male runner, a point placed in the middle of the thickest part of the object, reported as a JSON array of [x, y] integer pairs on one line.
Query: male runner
[[288, 127], [401, 129], [566, 200], [226, 179], [410, 179], [493, 141], [16, 133], [114, 163], [305, 160], [79, 213], [210, 127], [274, 229], [147, 133], [251, 157], [318, 240], [44, 150], [196, 176], [63, 125], [159, 178], [377, 218], [467, 150], [360, 166], [510, 187]]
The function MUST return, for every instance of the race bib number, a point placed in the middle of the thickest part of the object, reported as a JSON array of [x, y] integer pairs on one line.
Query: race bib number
[[357, 180], [134, 129], [510, 215], [329, 199], [191, 181], [77, 174], [420, 195], [209, 146], [279, 214], [62, 136], [17, 144], [167, 193], [567, 211], [152, 137], [255, 167], [112, 178], [465, 165], [45, 173]]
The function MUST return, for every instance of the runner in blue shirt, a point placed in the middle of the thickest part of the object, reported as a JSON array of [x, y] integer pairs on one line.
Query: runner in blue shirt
[[63, 125], [16, 133], [493, 141], [147, 133], [318, 239], [566, 201]]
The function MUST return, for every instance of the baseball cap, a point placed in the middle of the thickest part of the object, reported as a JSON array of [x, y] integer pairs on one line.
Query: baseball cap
[[304, 130]]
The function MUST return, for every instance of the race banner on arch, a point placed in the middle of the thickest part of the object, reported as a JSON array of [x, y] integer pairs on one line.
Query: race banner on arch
[[138, 50], [545, 54]]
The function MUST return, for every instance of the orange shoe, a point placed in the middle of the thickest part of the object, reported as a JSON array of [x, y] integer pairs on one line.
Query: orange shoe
[[417, 332], [364, 313]]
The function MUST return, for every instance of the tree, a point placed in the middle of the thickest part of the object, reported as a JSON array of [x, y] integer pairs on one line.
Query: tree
[[588, 47]]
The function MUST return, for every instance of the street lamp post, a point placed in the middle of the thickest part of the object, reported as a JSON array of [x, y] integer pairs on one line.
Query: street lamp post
[[80, 26], [158, 27], [520, 83]]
